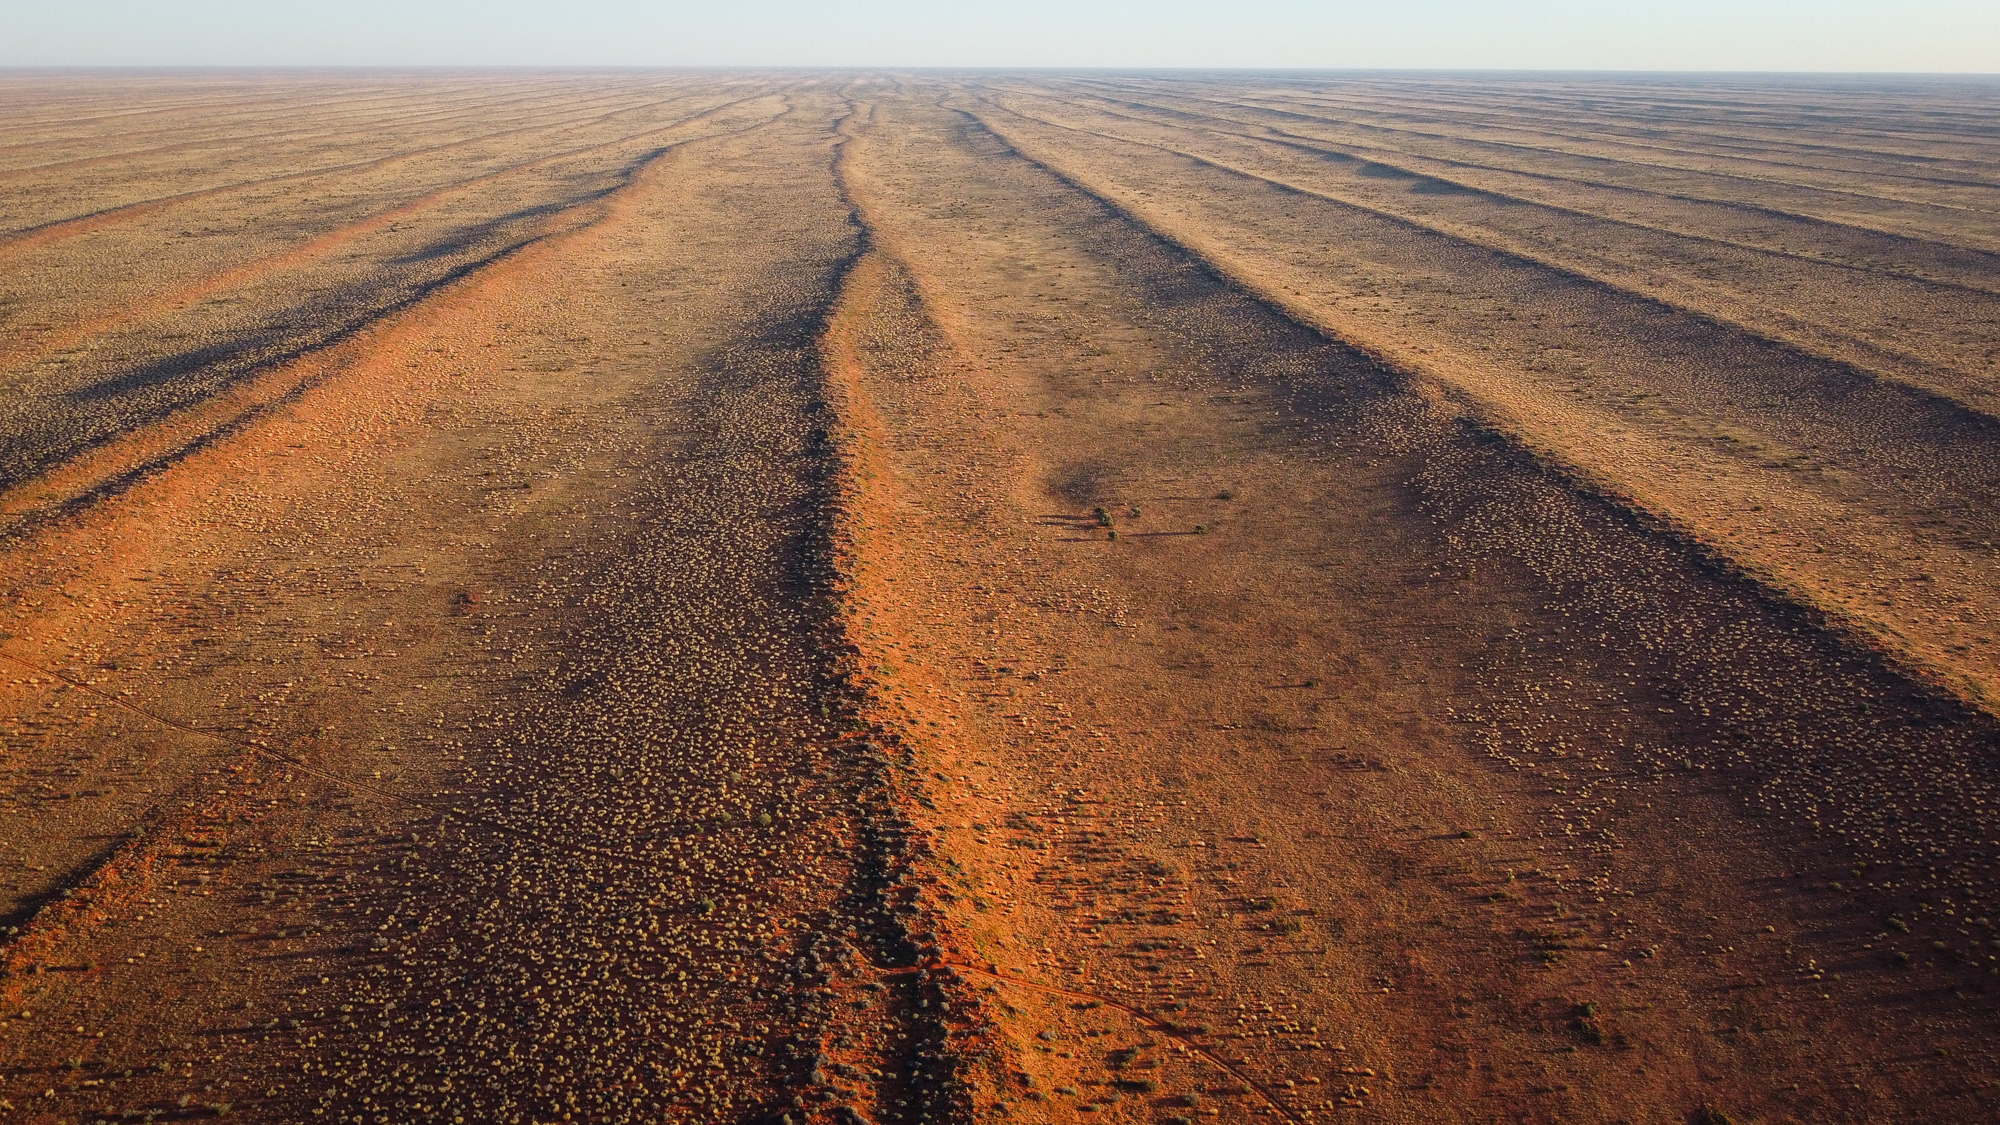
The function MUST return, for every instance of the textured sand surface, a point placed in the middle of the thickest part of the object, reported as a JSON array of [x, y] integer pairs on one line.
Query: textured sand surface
[[829, 598]]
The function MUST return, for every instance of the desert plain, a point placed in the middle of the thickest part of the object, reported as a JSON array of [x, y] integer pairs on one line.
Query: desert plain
[[777, 597]]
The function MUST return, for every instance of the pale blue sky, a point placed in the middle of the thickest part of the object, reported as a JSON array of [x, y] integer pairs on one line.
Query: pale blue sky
[[1837, 35]]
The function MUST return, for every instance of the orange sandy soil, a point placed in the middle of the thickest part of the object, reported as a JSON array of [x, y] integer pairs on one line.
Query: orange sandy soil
[[779, 598]]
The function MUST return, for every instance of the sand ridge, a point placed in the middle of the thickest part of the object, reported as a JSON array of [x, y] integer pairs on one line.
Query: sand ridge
[[900, 598]]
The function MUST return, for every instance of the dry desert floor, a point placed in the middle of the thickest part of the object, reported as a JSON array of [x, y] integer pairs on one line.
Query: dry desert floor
[[827, 598]]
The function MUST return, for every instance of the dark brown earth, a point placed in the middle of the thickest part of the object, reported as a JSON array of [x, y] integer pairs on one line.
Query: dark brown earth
[[1128, 598]]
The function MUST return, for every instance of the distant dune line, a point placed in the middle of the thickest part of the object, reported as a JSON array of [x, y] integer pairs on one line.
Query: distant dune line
[[358, 128], [1599, 444], [1488, 242], [1749, 183], [1972, 275], [1745, 147], [116, 462], [57, 230], [27, 350]]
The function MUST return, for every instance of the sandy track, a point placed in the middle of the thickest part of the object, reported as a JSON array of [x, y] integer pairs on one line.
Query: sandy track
[[876, 599]]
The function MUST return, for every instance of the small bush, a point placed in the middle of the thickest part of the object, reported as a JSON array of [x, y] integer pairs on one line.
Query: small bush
[[1583, 1021]]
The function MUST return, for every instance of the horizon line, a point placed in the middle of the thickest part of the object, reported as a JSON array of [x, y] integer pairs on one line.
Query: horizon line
[[979, 68]]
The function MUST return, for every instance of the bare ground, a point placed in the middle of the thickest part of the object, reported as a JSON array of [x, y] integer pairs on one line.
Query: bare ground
[[667, 597]]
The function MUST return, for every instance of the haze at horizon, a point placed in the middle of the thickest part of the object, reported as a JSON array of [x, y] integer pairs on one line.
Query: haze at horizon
[[1759, 35]]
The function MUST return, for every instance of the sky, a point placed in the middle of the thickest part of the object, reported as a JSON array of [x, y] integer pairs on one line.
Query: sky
[[1760, 35]]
